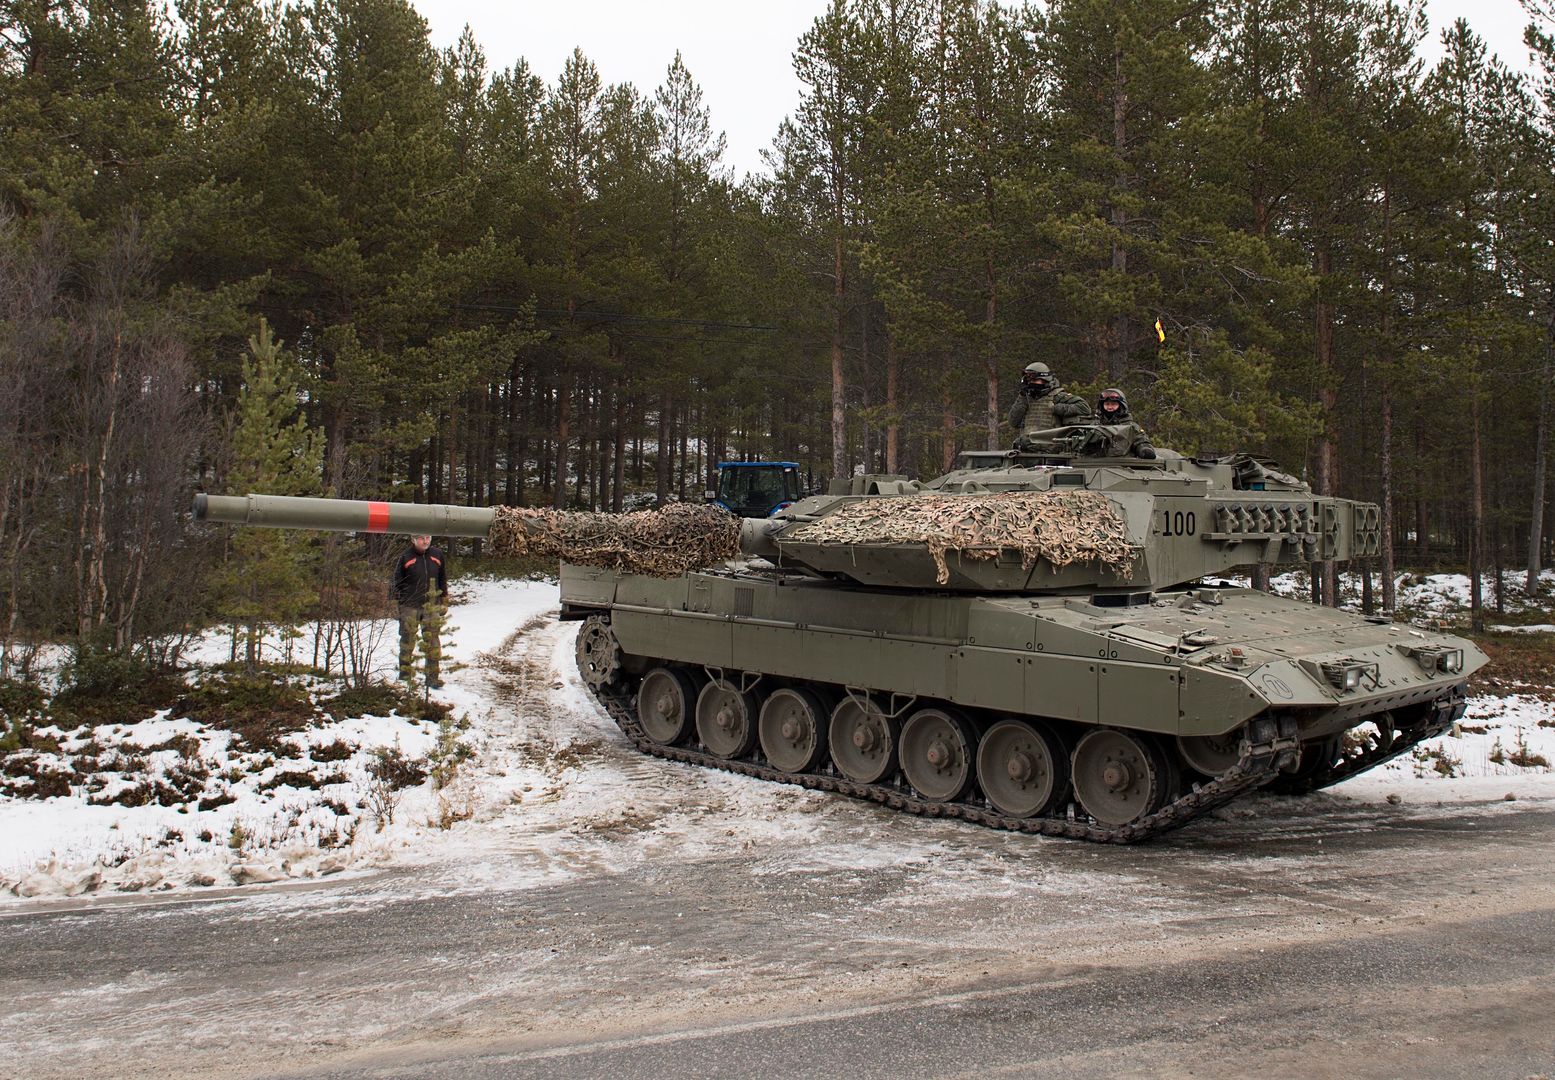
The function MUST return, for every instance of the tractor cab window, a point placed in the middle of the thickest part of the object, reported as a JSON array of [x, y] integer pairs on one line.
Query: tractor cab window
[[791, 491], [757, 487]]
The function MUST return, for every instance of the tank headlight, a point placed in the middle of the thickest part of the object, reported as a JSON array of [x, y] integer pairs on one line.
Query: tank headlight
[[1450, 661], [1346, 675]]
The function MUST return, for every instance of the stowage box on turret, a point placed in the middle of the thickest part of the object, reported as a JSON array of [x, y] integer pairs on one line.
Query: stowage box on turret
[[1036, 642]]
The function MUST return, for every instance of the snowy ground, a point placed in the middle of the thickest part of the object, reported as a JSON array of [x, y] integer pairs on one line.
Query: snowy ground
[[549, 783], [1438, 596]]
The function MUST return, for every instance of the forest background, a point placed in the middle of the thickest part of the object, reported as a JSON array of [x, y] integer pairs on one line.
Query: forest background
[[247, 246]]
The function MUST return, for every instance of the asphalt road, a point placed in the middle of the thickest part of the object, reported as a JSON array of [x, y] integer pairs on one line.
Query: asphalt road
[[1311, 938]]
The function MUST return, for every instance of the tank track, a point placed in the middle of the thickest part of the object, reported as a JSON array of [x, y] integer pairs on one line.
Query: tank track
[[1445, 711], [1259, 764]]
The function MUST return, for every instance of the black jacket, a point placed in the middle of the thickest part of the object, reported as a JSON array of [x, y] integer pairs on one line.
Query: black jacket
[[412, 573]]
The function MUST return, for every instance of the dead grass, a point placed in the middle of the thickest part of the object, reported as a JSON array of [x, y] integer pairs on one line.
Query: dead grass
[[1522, 664]]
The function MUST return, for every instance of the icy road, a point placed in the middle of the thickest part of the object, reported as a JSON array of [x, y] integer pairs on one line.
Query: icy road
[[616, 916]]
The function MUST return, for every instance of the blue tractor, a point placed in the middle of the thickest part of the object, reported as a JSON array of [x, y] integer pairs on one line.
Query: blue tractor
[[756, 489]]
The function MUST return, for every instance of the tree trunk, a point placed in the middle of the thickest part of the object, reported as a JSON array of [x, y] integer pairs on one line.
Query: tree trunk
[[991, 361], [662, 473], [1385, 523], [1385, 409], [1541, 454], [1477, 517], [893, 429], [947, 431], [1118, 338], [839, 427], [515, 464], [563, 435], [1328, 403]]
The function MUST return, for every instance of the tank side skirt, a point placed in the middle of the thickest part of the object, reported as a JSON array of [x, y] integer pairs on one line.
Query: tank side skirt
[[985, 677]]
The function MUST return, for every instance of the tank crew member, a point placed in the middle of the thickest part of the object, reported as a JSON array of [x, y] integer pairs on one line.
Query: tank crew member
[[420, 588], [1042, 404], [1124, 438]]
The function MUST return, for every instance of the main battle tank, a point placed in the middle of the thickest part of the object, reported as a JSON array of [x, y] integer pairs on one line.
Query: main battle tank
[[1034, 641]]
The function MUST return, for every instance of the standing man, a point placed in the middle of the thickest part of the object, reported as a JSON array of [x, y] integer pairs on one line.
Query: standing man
[[420, 582], [1043, 404]]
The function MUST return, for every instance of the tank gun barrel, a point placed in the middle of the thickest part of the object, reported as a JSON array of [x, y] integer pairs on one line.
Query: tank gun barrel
[[344, 515], [406, 519]]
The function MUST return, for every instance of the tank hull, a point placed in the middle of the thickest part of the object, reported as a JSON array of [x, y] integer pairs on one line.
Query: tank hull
[[1182, 670]]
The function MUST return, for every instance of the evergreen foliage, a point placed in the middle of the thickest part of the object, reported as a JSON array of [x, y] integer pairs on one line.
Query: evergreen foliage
[[511, 286], [266, 581]]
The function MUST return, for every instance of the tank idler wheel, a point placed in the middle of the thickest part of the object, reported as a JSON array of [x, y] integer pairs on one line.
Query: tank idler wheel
[[726, 719], [1118, 776], [937, 753], [1211, 755], [665, 705], [598, 653], [1022, 768], [793, 730], [863, 741]]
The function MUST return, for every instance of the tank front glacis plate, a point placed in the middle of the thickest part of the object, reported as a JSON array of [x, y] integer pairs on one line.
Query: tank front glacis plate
[[1167, 666]]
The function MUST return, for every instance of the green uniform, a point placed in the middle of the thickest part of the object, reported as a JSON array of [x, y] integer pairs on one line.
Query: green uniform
[[1122, 440], [1056, 408]]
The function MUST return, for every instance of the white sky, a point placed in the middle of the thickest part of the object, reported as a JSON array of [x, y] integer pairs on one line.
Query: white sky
[[741, 51]]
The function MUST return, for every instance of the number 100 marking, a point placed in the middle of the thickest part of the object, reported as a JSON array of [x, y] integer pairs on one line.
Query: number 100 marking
[[1178, 523]]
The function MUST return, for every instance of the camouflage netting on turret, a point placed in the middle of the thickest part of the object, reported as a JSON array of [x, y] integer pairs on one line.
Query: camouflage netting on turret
[[1063, 527], [659, 543]]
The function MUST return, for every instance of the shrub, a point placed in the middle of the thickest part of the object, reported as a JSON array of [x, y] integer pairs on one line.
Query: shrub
[[98, 686], [260, 708], [450, 752]]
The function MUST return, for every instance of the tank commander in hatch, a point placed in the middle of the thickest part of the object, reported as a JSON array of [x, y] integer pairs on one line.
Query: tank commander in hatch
[[1119, 435], [1042, 404]]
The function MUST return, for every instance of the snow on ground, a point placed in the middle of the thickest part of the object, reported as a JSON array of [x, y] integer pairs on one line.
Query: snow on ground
[[551, 789], [1423, 596], [312, 805]]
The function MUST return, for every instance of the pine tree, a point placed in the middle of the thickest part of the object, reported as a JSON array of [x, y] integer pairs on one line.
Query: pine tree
[[266, 581]]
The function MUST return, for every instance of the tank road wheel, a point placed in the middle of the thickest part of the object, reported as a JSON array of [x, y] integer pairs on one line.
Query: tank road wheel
[[793, 730], [665, 705], [1022, 768], [863, 741], [1118, 776], [937, 754], [726, 719], [1211, 754], [598, 652]]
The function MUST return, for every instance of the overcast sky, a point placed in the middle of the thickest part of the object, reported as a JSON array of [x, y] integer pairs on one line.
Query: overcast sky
[[741, 51]]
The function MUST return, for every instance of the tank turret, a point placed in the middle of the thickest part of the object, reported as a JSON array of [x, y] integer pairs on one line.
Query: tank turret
[[1037, 640]]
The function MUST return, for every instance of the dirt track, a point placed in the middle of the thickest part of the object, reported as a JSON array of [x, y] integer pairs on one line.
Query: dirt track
[[716, 926]]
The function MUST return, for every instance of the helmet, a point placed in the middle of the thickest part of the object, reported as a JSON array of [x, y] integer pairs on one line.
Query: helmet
[[1112, 405], [1037, 379]]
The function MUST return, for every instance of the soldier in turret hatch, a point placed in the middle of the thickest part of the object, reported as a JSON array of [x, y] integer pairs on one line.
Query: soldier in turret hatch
[[1043, 404], [1124, 438]]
